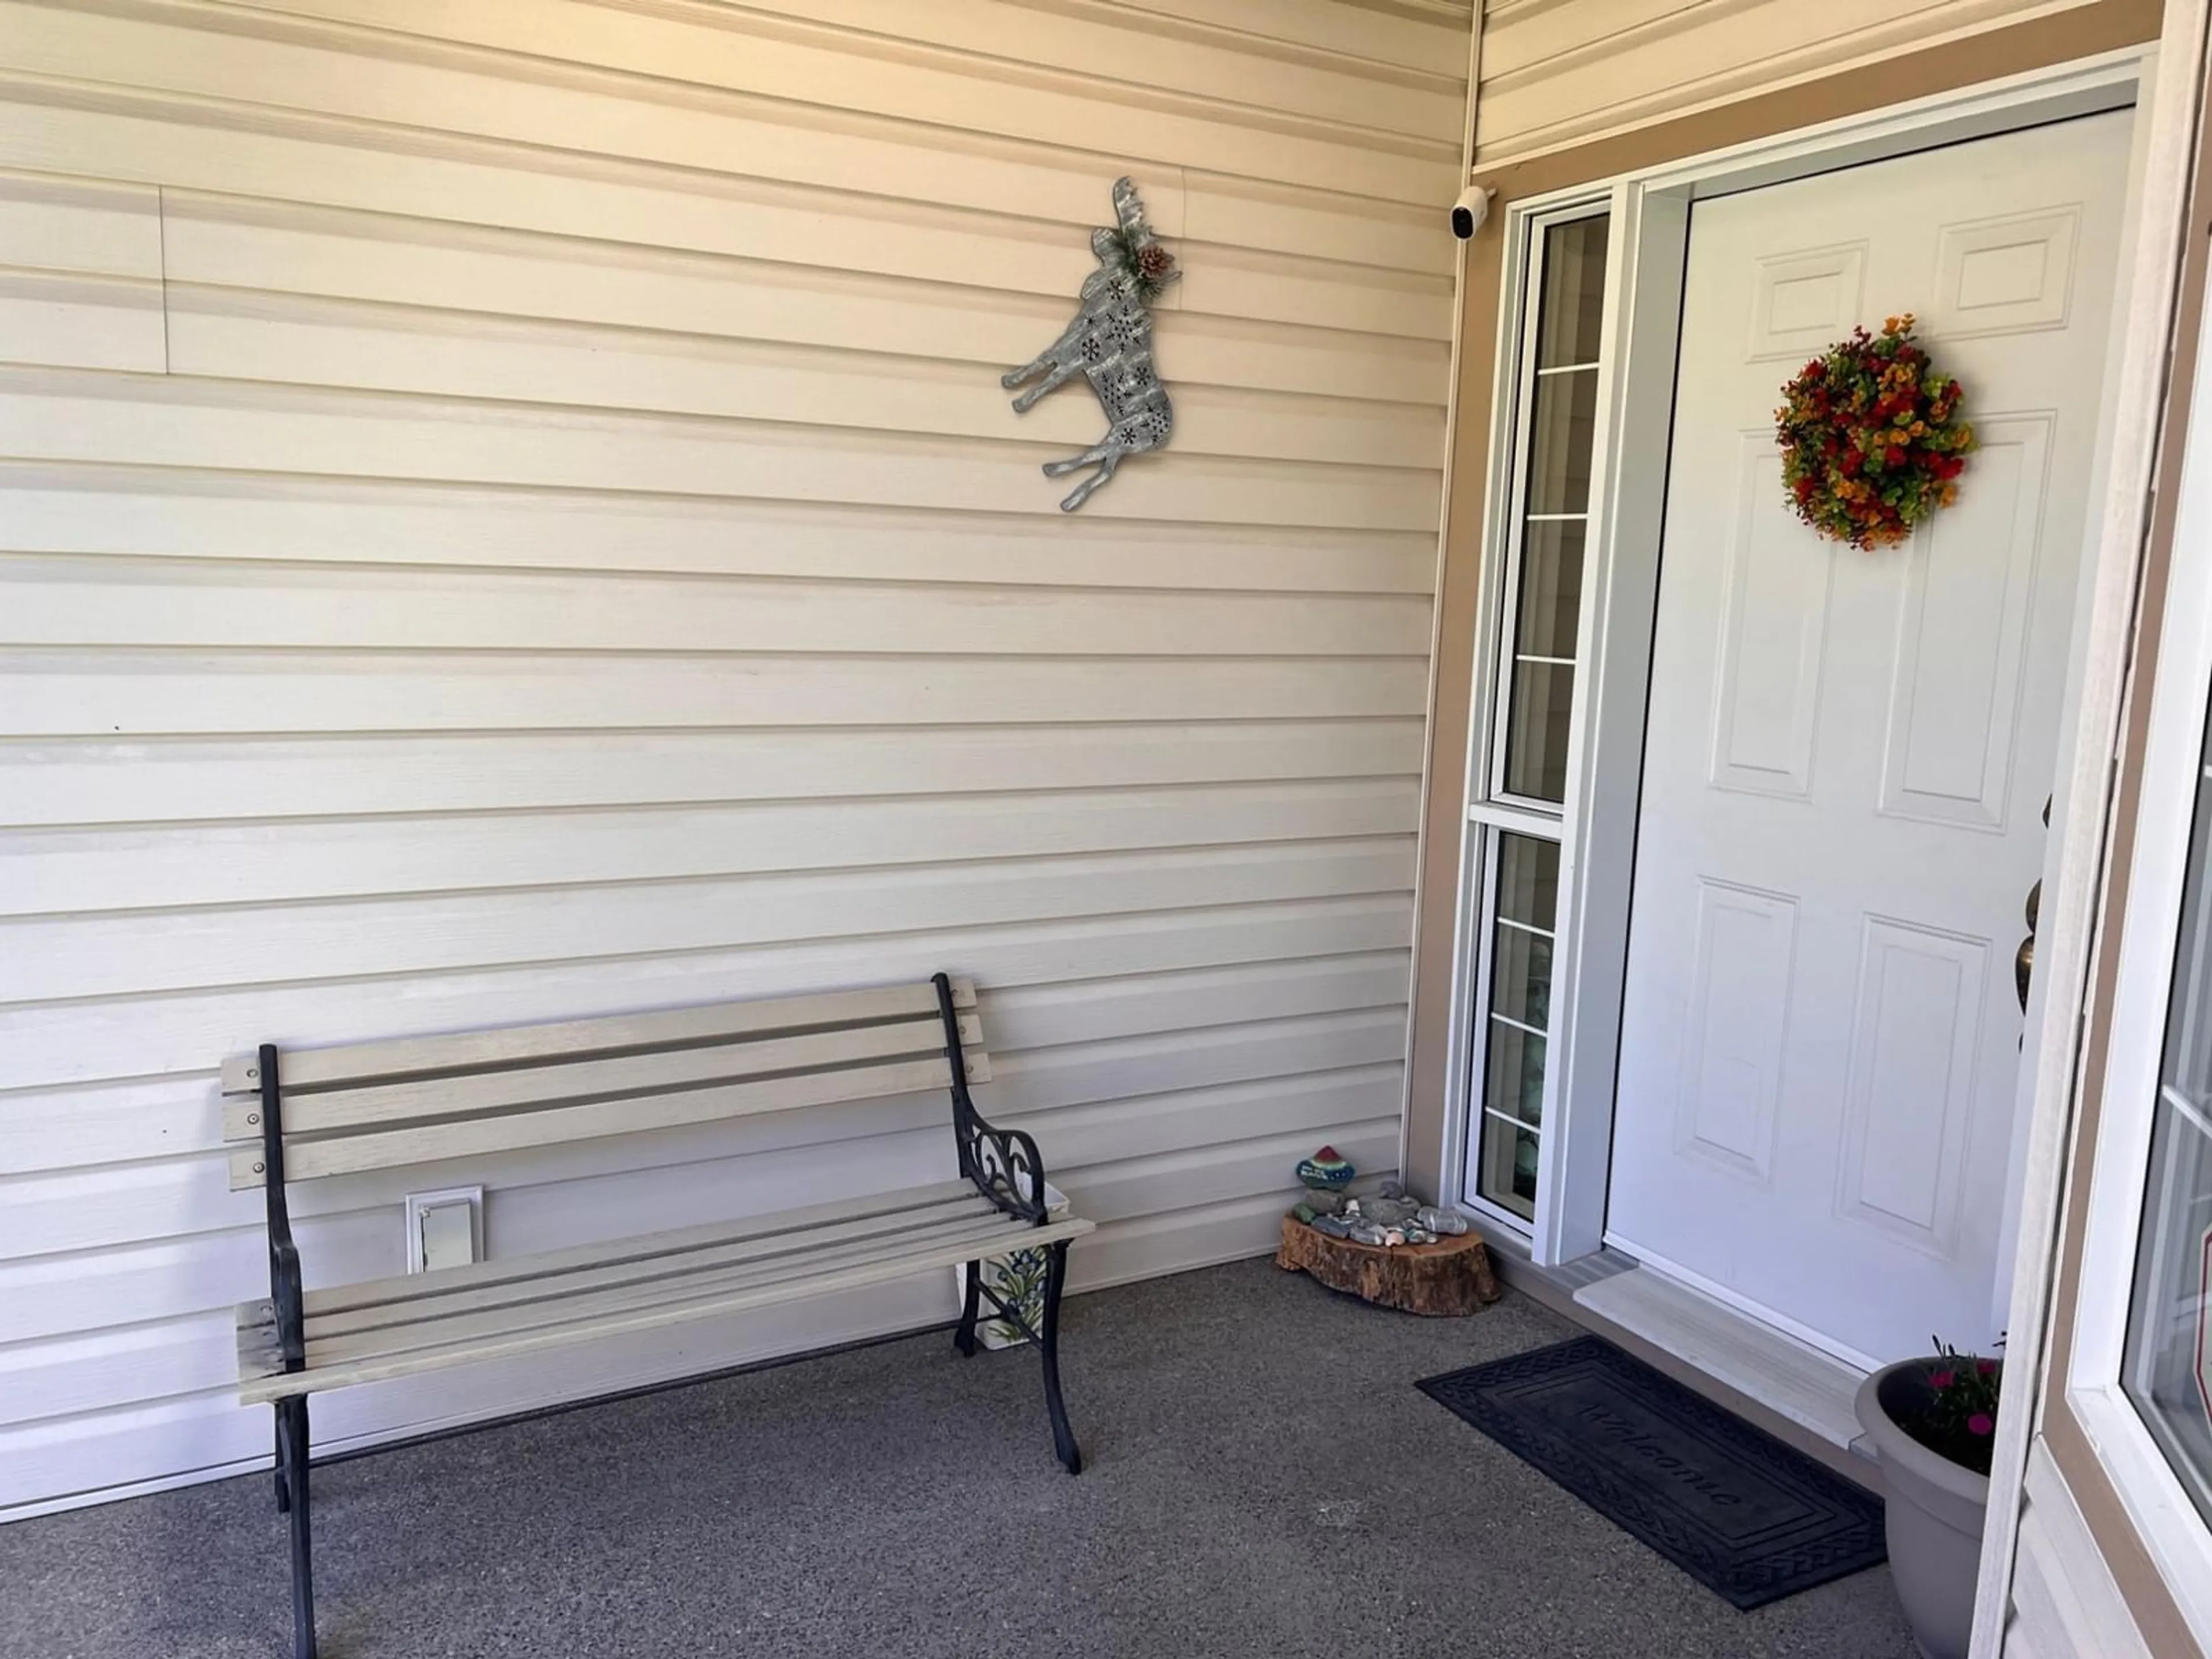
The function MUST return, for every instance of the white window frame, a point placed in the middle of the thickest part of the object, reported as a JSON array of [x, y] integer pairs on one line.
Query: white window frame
[[1491, 809], [1482, 836], [1595, 825], [1502, 622], [2169, 1524]]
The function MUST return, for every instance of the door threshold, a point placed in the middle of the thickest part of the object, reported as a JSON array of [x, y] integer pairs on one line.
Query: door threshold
[[1799, 1394], [1813, 1390]]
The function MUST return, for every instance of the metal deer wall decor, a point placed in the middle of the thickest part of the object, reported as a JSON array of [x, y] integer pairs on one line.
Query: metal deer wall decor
[[1110, 343]]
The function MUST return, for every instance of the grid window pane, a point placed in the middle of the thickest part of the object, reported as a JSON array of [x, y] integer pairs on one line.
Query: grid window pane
[[1528, 880], [1508, 1175], [1549, 618], [1560, 435], [1521, 977], [1514, 1087], [2166, 1368], [1538, 725], [1545, 562], [1574, 294], [1510, 1088]]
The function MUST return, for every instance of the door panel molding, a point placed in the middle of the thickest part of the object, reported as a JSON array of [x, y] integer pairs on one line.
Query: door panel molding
[[1953, 712], [1772, 639], [1909, 1096], [1729, 1090]]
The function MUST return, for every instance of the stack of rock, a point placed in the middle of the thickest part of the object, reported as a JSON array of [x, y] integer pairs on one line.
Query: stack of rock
[[1387, 1217]]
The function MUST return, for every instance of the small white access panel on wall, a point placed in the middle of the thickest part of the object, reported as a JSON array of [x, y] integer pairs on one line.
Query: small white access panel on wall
[[445, 1229]]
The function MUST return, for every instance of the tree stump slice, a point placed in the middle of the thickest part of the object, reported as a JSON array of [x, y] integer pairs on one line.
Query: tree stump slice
[[1446, 1279]]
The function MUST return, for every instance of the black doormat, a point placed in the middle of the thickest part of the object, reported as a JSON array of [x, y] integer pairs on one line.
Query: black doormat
[[1738, 1511]]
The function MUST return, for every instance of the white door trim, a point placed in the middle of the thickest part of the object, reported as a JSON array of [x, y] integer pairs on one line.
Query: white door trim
[[2169, 114], [2172, 1529], [1650, 216]]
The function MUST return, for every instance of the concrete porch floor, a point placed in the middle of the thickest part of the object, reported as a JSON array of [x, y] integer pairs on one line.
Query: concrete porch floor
[[1263, 1479]]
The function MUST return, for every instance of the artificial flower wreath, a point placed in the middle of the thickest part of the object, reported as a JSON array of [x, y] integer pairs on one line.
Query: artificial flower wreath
[[1871, 439]]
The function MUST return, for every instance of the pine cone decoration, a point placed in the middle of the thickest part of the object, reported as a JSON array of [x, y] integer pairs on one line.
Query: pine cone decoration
[[1154, 262]]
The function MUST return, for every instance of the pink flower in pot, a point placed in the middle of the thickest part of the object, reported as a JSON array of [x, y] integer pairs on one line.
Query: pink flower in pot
[[1932, 1422]]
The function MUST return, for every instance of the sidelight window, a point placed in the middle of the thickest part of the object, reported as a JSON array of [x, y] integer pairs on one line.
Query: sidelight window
[[1544, 610], [1521, 777]]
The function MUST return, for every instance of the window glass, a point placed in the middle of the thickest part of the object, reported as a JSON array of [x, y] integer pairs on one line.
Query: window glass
[[1574, 292], [1560, 433], [1510, 1077], [1538, 647], [1547, 579], [2166, 1368]]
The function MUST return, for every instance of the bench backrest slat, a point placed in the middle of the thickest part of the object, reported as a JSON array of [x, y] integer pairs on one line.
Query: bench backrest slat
[[562, 1081], [307, 1069], [382, 1105]]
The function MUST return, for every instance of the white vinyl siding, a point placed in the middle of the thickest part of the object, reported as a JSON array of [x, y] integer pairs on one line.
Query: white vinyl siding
[[508, 512], [1556, 73]]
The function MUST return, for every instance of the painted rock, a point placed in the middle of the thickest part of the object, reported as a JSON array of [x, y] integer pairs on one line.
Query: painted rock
[[1325, 1168]]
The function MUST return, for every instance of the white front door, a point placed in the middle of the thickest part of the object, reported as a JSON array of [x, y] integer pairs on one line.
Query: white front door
[[1848, 752]]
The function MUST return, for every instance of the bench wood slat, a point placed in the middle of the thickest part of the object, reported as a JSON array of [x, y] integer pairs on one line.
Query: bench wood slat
[[443, 1328], [308, 1069], [785, 1249], [562, 1080], [469, 1138], [257, 1390], [405, 1287]]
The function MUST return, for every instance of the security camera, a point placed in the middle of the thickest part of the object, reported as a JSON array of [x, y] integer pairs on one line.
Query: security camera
[[1470, 210]]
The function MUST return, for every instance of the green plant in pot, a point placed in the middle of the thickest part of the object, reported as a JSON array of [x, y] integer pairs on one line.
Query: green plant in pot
[[1932, 1425]]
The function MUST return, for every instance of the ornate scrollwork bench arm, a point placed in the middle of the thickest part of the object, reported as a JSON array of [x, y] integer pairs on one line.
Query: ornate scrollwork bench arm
[[1007, 1168], [287, 1304], [1003, 1164]]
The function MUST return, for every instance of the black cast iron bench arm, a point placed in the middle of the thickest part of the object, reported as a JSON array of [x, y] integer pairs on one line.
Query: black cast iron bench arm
[[286, 1299], [1003, 1164], [285, 1293]]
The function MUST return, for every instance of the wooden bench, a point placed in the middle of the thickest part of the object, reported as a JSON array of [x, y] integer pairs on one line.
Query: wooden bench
[[314, 1113]]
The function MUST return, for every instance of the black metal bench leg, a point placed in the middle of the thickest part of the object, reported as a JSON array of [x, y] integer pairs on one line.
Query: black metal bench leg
[[292, 1438], [1063, 1437], [284, 1480], [964, 1338]]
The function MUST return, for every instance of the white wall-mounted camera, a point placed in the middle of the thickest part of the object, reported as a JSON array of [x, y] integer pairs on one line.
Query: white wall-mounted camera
[[1470, 210]]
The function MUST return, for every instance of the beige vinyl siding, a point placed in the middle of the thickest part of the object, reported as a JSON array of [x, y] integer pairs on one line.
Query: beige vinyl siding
[[507, 513], [2065, 1602], [1558, 73]]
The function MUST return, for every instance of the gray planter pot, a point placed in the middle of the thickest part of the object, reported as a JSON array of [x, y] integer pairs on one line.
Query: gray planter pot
[[1935, 1512]]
